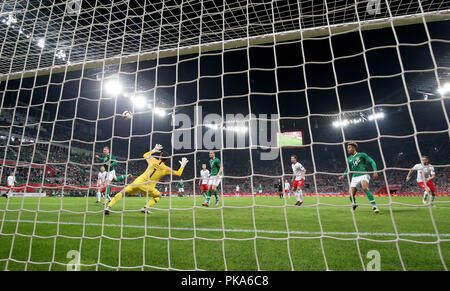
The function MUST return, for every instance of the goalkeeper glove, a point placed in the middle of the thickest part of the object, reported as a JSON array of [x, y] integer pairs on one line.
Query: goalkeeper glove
[[183, 162], [157, 148]]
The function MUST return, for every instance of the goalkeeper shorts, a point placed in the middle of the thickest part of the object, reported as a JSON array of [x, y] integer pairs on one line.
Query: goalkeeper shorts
[[144, 187]]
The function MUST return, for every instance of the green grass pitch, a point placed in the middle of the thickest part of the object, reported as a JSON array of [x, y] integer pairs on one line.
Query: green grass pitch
[[244, 233]]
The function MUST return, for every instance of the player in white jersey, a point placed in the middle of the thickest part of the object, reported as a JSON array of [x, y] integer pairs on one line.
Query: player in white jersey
[[287, 186], [237, 191], [203, 183], [425, 176], [298, 179], [102, 175], [11, 182]]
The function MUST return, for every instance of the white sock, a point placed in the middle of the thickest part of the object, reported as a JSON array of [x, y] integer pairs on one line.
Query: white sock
[[425, 195], [99, 196], [299, 194]]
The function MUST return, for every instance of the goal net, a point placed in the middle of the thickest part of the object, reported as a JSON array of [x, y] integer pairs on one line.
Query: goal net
[[251, 83]]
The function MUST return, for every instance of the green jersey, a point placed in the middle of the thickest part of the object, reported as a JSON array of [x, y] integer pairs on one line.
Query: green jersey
[[215, 166], [358, 164], [106, 160], [260, 187], [180, 185]]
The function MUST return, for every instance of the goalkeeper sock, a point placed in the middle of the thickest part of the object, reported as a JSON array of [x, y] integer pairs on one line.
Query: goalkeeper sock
[[120, 178], [352, 199], [115, 199], [216, 194], [370, 197], [153, 201], [208, 196]]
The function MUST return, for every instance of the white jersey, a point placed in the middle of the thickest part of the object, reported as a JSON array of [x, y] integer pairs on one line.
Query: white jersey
[[102, 176], [297, 168], [423, 172], [205, 176], [11, 180], [237, 188], [287, 186]]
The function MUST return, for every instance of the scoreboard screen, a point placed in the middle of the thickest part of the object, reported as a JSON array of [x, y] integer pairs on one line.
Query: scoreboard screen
[[290, 138]]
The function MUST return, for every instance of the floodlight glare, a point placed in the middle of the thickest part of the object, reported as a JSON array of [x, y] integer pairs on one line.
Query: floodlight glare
[[160, 112], [444, 89], [139, 101], [41, 43], [376, 116], [113, 86]]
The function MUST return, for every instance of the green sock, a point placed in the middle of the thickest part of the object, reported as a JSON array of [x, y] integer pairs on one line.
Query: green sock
[[108, 191], [208, 196], [120, 178], [216, 194], [370, 197]]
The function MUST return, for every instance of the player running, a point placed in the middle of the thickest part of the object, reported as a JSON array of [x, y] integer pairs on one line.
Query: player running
[[146, 182], [203, 182], [287, 186], [298, 179], [215, 178], [357, 165], [425, 176]]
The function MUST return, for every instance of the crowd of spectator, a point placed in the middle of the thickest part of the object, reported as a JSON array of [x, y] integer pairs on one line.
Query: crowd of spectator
[[39, 163]]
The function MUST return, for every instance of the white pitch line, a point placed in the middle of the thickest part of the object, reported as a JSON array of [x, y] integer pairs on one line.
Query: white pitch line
[[237, 230]]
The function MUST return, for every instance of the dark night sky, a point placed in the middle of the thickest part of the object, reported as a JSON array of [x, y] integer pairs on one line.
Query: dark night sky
[[251, 72]]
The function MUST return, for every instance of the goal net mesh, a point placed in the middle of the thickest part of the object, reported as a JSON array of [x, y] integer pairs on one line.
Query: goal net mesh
[[253, 81]]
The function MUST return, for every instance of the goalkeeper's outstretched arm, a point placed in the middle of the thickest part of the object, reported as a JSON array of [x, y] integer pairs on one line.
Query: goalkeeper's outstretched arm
[[178, 173], [156, 149]]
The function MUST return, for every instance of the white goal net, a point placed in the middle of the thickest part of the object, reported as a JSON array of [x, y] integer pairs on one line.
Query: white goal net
[[257, 84]]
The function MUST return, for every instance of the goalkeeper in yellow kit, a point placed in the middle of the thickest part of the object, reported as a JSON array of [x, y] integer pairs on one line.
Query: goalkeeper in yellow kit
[[146, 182]]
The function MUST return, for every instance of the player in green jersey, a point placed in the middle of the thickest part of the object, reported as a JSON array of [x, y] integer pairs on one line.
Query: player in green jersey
[[215, 178], [110, 162], [357, 163], [180, 186]]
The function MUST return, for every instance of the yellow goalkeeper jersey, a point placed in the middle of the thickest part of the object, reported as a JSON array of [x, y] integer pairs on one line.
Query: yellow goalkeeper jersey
[[157, 169]]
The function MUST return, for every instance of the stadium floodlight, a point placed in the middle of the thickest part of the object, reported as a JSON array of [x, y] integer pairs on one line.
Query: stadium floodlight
[[344, 122], [11, 20], [113, 86], [444, 89], [60, 54], [237, 128], [377, 115], [41, 43], [212, 126], [160, 112]]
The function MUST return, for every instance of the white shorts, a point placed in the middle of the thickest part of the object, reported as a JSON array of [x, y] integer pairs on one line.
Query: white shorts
[[111, 175], [180, 189], [356, 181], [214, 181]]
